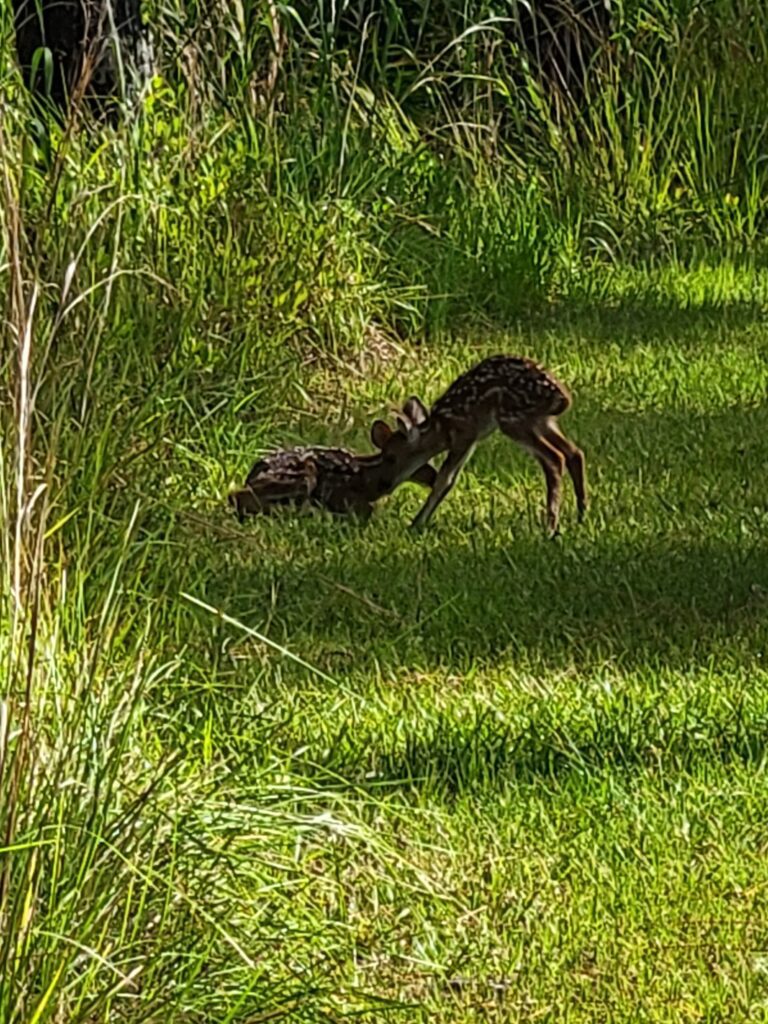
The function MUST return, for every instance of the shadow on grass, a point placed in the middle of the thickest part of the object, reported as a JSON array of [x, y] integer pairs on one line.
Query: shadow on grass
[[669, 574], [647, 603], [449, 755], [674, 574], [638, 318], [635, 316]]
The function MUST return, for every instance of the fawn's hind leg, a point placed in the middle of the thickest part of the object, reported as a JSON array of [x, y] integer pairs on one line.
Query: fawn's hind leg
[[551, 460], [574, 462]]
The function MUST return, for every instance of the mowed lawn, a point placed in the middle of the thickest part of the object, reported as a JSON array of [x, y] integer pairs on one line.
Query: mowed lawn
[[535, 770]]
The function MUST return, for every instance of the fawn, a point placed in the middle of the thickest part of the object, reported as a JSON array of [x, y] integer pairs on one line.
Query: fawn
[[508, 393], [333, 478]]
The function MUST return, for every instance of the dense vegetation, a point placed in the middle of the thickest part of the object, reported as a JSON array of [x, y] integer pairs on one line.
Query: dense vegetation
[[303, 769]]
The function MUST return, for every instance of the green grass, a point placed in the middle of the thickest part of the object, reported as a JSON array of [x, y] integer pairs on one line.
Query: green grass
[[559, 747], [521, 777], [306, 769]]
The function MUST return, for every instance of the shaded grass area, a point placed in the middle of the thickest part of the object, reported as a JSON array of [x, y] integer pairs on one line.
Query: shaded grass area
[[671, 560], [513, 778], [463, 776], [565, 741], [562, 745]]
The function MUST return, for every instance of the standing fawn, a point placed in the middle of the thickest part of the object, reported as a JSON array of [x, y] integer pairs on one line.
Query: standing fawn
[[508, 393], [332, 478]]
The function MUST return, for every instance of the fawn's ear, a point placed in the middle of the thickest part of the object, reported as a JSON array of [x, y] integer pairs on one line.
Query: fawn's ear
[[414, 411], [380, 433], [407, 428], [412, 419]]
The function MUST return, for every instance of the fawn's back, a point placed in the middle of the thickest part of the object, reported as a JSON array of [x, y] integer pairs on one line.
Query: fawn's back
[[501, 390]]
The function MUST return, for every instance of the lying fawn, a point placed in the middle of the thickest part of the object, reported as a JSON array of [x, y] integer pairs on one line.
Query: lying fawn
[[333, 478], [505, 392]]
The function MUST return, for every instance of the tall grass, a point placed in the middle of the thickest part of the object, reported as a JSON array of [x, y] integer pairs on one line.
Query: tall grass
[[285, 202]]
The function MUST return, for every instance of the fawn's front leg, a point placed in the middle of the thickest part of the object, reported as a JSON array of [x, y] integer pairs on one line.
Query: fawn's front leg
[[446, 478]]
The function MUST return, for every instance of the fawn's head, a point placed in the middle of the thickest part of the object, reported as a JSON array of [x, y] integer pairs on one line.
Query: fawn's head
[[406, 451]]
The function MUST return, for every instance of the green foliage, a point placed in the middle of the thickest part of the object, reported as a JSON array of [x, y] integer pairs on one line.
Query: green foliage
[[304, 770]]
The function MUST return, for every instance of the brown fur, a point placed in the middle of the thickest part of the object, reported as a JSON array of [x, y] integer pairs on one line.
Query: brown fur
[[507, 393], [332, 478]]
